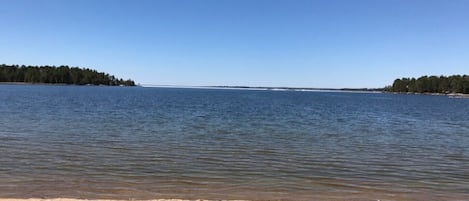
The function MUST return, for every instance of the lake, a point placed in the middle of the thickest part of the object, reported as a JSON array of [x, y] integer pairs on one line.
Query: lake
[[146, 143]]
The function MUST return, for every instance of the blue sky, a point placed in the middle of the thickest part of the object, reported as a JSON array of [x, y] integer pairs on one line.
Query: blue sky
[[334, 43]]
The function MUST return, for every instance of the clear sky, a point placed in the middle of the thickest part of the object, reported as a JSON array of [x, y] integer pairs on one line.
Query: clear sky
[[331, 43]]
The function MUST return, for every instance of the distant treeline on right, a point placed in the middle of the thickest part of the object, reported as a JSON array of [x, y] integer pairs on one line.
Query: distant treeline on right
[[432, 84]]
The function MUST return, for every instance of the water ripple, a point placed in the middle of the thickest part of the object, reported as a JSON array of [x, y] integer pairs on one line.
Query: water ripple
[[104, 142]]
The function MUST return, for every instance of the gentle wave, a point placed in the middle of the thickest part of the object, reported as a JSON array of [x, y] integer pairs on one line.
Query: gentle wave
[[147, 143]]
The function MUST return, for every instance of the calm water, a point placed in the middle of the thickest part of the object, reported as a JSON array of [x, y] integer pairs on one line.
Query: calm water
[[144, 143]]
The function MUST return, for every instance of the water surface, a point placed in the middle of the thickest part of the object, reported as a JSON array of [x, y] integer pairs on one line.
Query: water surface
[[147, 143]]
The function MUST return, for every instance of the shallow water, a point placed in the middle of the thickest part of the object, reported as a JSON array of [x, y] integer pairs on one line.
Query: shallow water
[[147, 143]]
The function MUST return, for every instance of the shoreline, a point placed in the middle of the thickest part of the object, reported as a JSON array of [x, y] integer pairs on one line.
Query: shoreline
[[449, 95], [59, 84]]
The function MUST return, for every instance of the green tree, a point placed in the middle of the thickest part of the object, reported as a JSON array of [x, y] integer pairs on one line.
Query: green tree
[[432, 84], [58, 75]]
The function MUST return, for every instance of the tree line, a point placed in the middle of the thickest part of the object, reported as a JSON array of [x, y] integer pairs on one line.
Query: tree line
[[59, 75], [432, 84]]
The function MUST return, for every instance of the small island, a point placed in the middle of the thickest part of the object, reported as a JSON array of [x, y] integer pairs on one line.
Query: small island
[[58, 75], [454, 85]]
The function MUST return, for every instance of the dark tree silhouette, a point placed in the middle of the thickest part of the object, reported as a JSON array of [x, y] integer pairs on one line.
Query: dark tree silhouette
[[431, 84], [58, 75]]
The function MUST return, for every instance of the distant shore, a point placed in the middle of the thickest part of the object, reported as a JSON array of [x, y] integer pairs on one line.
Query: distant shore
[[59, 75], [450, 95], [362, 90], [303, 88], [357, 90], [59, 84], [458, 95]]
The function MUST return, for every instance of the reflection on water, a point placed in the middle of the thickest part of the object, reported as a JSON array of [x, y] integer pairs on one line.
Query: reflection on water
[[146, 143]]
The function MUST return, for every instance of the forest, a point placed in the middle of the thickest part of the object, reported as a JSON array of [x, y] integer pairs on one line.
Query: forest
[[431, 84], [59, 75]]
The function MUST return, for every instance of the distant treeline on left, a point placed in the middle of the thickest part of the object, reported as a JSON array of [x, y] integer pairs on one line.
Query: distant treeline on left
[[59, 75]]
